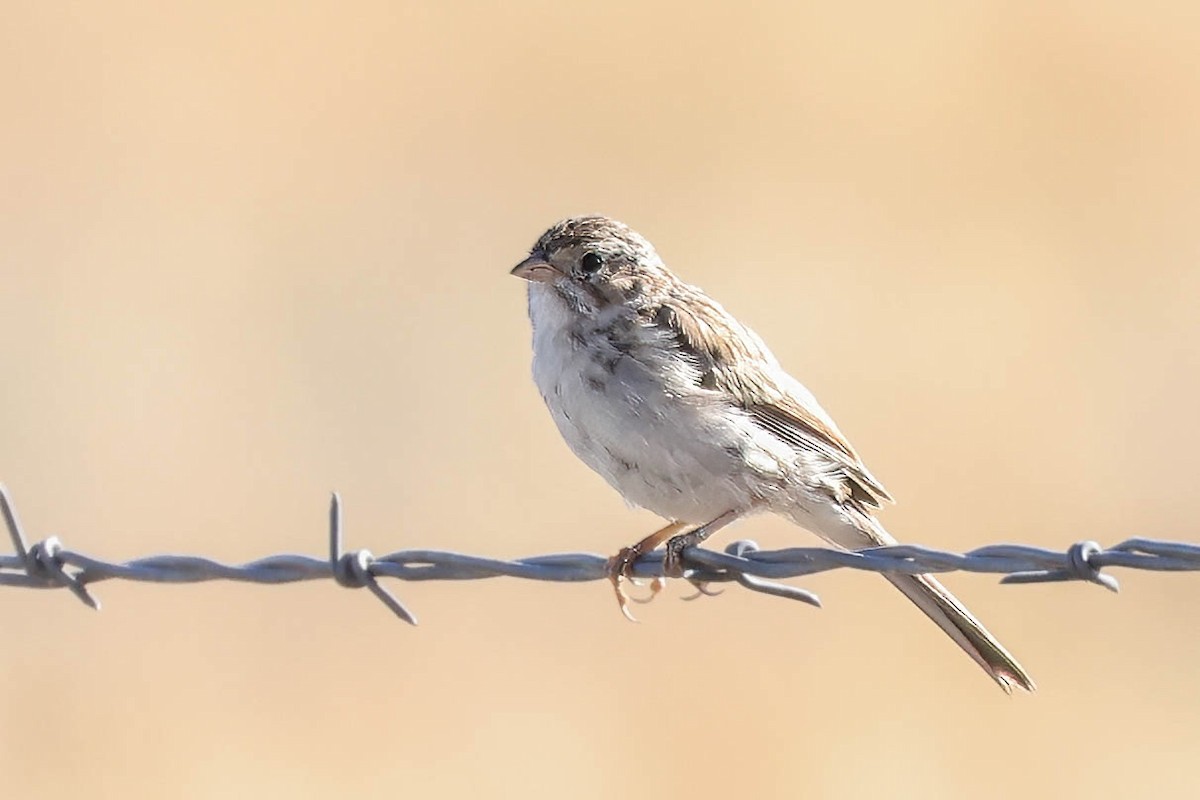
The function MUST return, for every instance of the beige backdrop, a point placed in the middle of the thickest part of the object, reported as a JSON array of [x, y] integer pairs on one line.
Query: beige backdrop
[[250, 255]]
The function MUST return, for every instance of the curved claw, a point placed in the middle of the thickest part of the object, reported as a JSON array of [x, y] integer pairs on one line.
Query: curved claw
[[618, 570], [623, 600], [656, 587], [702, 590]]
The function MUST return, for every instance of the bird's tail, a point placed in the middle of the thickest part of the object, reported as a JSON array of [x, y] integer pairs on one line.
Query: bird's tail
[[854, 529], [961, 626]]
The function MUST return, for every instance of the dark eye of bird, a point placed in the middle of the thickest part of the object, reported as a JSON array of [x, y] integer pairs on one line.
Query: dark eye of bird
[[591, 263]]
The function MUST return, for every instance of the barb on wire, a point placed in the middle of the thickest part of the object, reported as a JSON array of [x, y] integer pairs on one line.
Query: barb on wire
[[49, 565]]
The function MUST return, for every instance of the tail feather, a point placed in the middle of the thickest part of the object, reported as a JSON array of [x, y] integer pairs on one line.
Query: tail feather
[[854, 529], [961, 626]]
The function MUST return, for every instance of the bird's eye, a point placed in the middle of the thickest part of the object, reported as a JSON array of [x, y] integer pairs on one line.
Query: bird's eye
[[591, 263]]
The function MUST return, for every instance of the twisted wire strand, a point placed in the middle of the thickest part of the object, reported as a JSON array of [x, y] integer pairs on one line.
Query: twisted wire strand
[[49, 565]]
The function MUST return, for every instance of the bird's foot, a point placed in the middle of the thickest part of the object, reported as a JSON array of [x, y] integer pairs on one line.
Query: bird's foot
[[673, 562], [678, 536], [620, 567]]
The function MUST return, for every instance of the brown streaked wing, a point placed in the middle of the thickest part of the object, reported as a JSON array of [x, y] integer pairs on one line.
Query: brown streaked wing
[[803, 430], [729, 357]]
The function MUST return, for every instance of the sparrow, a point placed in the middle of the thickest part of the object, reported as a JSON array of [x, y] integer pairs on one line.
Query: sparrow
[[685, 412]]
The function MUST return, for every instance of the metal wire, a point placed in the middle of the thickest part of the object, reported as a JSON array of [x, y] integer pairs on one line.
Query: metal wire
[[49, 565]]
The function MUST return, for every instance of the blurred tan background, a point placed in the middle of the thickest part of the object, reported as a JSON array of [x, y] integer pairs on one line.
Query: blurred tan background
[[250, 254]]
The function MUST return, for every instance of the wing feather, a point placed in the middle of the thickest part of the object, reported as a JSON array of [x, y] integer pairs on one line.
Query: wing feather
[[731, 357]]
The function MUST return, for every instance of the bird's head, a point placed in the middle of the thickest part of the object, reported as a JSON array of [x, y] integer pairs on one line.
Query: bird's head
[[594, 262]]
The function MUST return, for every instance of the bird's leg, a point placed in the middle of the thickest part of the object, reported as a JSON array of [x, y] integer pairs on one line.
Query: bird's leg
[[673, 561], [620, 565]]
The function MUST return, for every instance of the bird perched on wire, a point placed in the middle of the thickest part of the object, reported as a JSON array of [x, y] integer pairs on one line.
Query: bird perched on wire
[[685, 412]]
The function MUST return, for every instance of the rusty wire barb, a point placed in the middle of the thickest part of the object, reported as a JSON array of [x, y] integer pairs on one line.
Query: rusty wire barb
[[49, 565]]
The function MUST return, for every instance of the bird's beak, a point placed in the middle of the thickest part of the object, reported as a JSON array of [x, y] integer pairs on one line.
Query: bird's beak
[[536, 269]]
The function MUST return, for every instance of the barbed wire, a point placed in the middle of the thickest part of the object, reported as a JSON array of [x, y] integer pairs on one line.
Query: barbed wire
[[47, 564]]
